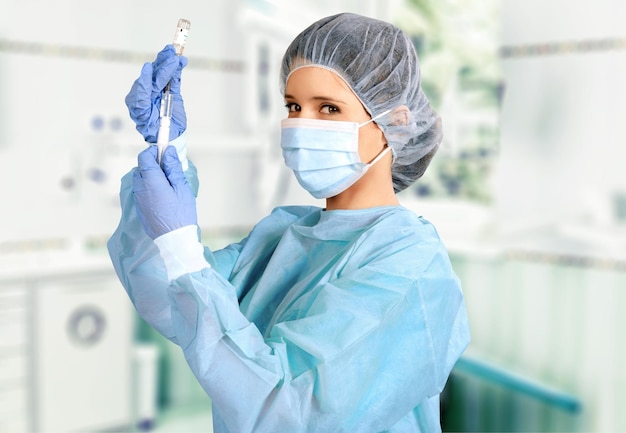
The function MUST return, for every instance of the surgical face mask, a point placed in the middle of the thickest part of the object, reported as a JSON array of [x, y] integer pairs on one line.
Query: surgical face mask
[[324, 154]]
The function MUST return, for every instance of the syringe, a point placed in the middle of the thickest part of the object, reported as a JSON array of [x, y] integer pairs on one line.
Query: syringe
[[165, 116]]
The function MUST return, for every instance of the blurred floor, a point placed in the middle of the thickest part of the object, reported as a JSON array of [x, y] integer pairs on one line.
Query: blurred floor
[[192, 419]]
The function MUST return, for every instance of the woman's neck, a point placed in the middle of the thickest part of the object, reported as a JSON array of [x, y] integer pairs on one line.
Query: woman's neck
[[374, 189]]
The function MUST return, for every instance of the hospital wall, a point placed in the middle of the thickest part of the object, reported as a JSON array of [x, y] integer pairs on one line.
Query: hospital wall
[[544, 266], [542, 260]]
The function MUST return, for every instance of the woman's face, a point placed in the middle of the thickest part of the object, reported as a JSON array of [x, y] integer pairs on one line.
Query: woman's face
[[318, 93]]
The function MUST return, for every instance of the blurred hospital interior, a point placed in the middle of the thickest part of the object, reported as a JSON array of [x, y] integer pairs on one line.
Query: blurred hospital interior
[[527, 191]]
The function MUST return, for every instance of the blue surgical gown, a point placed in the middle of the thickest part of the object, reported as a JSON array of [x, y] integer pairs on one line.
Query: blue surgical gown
[[317, 321]]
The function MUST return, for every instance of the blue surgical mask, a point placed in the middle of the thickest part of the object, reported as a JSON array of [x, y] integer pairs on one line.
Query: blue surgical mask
[[324, 154]]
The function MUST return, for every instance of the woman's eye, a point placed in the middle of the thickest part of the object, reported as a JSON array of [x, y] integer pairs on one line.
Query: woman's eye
[[292, 107], [329, 109]]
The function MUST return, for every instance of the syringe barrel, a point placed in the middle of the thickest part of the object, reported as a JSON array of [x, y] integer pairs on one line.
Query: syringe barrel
[[163, 137], [166, 103]]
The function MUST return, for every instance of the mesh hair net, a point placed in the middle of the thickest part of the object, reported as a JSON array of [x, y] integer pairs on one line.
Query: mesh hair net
[[379, 63]]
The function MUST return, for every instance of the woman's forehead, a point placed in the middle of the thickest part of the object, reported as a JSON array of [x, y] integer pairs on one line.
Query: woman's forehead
[[315, 79]]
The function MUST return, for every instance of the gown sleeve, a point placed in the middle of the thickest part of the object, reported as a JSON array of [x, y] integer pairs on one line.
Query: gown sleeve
[[140, 268]]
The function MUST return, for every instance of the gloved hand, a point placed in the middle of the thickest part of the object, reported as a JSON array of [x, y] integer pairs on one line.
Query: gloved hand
[[163, 197], [144, 99]]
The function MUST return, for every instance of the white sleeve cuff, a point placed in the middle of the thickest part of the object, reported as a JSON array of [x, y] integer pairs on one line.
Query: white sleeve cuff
[[181, 251]]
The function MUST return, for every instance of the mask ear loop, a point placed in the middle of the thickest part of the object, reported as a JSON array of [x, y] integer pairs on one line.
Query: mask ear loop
[[380, 156], [387, 148], [384, 113]]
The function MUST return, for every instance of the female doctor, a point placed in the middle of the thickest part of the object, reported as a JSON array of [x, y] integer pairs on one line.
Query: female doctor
[[342, 319]]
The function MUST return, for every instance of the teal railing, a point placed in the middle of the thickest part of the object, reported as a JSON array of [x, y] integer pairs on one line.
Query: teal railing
[[518, 383]]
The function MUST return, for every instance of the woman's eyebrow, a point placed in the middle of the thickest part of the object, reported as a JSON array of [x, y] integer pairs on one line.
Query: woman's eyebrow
[[328, 98], [321, 98]]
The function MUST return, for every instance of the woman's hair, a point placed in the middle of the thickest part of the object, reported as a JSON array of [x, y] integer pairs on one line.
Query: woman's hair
[[380, 64]]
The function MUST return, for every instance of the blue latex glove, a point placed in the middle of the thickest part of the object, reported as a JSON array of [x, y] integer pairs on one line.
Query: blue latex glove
[[163, 197], [144, 99]]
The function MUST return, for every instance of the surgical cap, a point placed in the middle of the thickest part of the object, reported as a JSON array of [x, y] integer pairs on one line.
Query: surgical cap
[[379, 62]]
